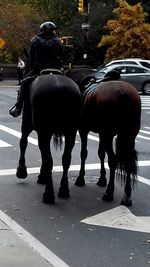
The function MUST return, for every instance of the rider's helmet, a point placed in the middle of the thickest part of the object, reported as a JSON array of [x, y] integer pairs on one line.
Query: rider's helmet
[[47, 26]]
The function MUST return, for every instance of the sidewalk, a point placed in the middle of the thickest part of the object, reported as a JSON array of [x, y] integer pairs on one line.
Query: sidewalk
[[14, 251], [9, 83], [18, 248]]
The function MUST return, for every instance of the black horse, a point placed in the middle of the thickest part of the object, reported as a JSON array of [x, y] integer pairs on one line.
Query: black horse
[[51, 108], [110, 108]]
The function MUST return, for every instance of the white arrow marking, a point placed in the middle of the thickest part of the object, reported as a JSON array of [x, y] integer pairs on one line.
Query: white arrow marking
[[4, 144], [120, 218]]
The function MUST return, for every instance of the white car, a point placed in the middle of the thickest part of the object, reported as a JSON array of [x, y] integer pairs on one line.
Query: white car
[[134, 61]]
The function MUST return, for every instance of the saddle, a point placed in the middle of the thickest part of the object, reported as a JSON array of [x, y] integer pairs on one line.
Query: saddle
[[51, 72], [90, 82]]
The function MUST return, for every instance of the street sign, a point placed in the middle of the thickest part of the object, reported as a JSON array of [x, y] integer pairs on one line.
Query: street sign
[[2, 42], [85, 26]]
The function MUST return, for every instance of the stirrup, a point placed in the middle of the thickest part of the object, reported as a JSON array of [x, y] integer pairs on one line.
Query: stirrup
[[14, 111], [51, 72]]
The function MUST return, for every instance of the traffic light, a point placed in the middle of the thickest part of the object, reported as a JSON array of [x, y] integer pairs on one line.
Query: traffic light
[[67, 41], [63, 40], [80, 7]]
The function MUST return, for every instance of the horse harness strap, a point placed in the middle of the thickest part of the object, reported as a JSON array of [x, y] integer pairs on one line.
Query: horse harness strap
[[91, 88], [92, 85]]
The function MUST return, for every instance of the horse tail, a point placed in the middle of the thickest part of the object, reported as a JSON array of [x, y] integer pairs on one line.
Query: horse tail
[[57, 140], [129, 121], [126, 158]]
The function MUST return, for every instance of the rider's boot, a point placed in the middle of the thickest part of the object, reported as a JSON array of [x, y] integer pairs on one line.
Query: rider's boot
[[15, 111]]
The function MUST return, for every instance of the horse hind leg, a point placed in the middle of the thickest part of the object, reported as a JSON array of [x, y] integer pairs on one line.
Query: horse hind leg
[[21, 172], [127, 158], [112, 163], [66, 161], [80, 181], [102, 181], [45, 176], [126, 200]]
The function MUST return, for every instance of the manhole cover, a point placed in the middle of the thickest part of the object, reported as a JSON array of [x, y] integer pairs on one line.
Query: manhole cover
[[88, 179]]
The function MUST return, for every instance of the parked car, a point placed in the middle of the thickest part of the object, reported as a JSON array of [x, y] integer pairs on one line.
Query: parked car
[[134, 61], [139, 77]]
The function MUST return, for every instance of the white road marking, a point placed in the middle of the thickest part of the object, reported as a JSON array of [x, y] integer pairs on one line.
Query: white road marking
[[4, 144], [44, 252], [34, 141], [31, 140], [95, 166], [92, 137], [120, 218], [17, 134], [145, 132], [143, 137]]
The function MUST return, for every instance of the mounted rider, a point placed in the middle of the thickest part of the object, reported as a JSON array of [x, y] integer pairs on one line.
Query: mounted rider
[[46, 51]]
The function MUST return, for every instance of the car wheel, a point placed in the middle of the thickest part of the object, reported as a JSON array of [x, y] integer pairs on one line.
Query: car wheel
[[146, 89]]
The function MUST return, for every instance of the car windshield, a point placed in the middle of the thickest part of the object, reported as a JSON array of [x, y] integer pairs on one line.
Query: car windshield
[[105, 69], [101, 67], [145, 64]]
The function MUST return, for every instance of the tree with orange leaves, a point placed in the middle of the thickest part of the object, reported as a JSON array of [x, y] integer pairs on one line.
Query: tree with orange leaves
[[129, 34]]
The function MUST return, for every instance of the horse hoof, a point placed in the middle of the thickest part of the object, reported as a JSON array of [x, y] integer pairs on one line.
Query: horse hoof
[[63, 193], [47, 199], [126, 202], [41, 179], [102, 182], [21, 172], [107, 197], [80, 181]]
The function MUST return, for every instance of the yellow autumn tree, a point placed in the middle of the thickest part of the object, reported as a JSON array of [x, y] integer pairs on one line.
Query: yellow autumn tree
[[129, 34]]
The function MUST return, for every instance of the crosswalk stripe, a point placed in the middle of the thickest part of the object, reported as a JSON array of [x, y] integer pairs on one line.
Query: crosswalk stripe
[[31, 140], [145, 132], [143, 137], [35, 141], [17, 134], [145, 102]]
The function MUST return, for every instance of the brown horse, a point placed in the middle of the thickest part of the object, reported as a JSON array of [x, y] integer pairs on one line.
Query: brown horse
[[111, 108]]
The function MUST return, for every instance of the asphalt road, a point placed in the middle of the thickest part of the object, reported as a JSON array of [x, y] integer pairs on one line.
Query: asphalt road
[[83, 231]]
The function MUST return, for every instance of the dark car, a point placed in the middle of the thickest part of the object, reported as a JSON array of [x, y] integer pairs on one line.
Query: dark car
[[138, 76]]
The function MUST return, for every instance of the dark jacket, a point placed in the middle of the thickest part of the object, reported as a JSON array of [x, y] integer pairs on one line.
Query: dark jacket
[[46, 51]]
